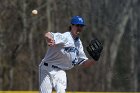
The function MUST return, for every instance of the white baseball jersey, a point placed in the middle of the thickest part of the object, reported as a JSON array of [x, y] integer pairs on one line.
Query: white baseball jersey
[[67, 53]]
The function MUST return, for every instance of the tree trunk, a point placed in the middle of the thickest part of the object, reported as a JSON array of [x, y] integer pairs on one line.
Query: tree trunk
[[133, 67], [48, 11], [1, 77], [115, 45]]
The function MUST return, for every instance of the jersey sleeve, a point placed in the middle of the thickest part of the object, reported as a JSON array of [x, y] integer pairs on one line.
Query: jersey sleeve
[[82, 56], [59, 38]]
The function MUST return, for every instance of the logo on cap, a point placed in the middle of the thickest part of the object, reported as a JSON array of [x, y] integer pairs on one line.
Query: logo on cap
[[80, 19]]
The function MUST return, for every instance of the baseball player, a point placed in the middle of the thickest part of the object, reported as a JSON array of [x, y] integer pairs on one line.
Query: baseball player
[[65, 51]]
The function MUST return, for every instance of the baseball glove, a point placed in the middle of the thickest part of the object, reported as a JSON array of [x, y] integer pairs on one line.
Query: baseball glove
[[94, 49]]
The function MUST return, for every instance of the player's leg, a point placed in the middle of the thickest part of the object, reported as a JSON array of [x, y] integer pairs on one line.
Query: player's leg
[[45, 84], [60, 81]]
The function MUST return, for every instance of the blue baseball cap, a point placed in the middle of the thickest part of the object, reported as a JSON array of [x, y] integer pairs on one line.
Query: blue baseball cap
[[77, 20]]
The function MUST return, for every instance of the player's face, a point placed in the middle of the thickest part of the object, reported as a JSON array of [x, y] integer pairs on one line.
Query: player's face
[[77, 29]]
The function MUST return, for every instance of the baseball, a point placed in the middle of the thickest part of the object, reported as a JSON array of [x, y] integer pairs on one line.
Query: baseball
[[35, 12]]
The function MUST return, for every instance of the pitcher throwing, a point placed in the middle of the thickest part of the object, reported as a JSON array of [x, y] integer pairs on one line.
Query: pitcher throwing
[[65, 51]]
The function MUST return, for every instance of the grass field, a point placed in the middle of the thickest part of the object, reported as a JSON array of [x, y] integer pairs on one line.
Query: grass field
[[55, 92]]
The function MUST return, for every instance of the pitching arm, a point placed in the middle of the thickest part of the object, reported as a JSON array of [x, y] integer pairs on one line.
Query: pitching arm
[[49, 39], [55, 38]]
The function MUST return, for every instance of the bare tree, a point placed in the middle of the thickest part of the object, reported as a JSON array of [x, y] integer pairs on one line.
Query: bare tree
[[134, 68]]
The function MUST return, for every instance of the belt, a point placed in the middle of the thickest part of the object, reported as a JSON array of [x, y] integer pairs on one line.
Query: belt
[[53, 66]]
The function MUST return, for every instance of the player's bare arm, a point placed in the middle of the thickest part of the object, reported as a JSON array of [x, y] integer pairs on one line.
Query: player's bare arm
[[89, 63], [49, 39]]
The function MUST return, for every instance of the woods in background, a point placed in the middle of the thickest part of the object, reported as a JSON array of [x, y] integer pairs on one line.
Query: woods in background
[[115, 22]]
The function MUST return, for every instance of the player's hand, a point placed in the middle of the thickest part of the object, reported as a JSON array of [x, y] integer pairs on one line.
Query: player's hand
[[51, 42], [49, 38]]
